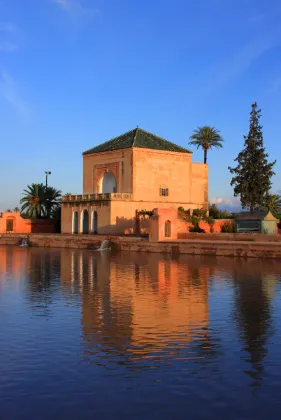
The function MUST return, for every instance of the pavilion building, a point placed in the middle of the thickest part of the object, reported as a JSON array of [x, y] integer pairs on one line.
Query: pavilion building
[[132, 172]]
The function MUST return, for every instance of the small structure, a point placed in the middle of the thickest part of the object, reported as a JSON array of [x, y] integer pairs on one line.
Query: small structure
[[261, 221], [163, 225], [12, 222]]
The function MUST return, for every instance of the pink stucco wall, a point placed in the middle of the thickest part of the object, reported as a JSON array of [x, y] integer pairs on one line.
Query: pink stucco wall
[[179, 227], [21, 225]]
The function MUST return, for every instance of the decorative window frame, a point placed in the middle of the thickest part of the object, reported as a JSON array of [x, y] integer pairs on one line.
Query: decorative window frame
[[164, 192]]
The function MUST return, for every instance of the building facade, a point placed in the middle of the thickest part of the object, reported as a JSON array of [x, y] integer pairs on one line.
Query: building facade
[[135, 171]]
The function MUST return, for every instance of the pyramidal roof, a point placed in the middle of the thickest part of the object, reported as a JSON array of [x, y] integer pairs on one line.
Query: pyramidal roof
[[137, 138]]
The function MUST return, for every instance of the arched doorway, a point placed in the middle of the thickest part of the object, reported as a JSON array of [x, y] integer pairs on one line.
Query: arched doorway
[[10, 225], [85, 222], [108, 183], [167, 229], [75, 222], [95, 222]]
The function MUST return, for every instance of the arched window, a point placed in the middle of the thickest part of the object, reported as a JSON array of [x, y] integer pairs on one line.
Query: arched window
[[108, 183], [95, 222], [75, 222], [167, 229], [10, 225], [85, 221]]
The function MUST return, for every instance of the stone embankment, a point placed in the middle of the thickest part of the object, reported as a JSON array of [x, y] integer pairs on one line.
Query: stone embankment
[[228, 245]]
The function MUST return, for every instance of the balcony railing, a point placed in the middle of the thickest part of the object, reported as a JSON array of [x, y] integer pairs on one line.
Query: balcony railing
[[95, 197]]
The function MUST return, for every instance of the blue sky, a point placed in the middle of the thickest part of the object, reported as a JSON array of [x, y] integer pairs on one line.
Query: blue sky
[[75, 73]]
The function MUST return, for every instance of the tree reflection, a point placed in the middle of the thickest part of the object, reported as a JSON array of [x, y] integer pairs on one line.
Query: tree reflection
[[253, 314]]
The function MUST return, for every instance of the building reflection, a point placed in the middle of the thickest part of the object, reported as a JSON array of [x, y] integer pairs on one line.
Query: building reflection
[[14, 263], [139, 306]]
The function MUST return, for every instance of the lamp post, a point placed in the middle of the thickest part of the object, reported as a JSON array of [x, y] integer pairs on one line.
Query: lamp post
[[47, 174]]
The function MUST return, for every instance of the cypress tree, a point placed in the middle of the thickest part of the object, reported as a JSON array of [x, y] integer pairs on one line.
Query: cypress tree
[[252, 175]]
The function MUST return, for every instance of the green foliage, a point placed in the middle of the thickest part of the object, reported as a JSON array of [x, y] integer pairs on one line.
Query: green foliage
[[228, 227], [195, 220], [252, 175], [219, 214], [184, 214], [200, 213], [196, 229], [16, 209], [40, 201], [145, 213], [273, 204], [206, 137]]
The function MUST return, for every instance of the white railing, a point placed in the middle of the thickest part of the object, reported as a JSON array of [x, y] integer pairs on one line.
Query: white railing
[[94, 197]]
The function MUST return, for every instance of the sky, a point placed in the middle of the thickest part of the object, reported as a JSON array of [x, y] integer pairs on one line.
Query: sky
[[75, 73]]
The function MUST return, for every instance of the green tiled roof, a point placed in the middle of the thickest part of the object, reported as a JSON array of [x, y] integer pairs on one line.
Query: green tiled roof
[[137, 138]]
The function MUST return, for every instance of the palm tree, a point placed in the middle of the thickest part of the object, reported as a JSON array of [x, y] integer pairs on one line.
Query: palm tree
[[33, 201], [206, 137], [52, 199], [40, 201], [273, 203]]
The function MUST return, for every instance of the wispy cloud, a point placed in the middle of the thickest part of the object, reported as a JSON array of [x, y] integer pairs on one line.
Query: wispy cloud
[[65, 4], [77, 8], [7, 31], [230, 203], [10, 92], [277, 84], [8, 46], [8, 27], [243, 59]]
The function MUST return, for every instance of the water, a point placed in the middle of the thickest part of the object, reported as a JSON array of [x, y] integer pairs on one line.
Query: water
[[105, 245], [88, 335]]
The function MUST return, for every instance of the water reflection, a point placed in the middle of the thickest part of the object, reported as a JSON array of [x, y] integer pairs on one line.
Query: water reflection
[[254, 289], [145, 310]]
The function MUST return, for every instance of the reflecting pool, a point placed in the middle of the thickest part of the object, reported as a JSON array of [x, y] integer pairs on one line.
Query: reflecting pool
[[93, 335]]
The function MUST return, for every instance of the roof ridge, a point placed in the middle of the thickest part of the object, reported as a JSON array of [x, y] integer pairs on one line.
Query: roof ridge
[[135, 136], [108, 141], [162, 138]]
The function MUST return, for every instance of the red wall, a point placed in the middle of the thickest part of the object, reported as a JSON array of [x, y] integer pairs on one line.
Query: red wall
[[183, 226], [21, 225]]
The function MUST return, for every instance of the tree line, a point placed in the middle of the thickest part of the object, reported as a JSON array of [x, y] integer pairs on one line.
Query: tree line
[[253, 172]]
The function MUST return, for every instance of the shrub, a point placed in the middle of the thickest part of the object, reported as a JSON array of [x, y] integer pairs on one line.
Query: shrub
[[228, 227], [196, 229], [219, 214], [195, 220]]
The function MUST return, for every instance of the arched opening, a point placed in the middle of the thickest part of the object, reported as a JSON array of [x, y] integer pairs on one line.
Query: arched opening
[[85, 221], [75, 222], [107, 183], [10, 225], [167, 229], [95, 222]]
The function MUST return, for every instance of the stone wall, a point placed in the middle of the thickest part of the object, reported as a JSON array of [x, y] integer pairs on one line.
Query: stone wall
[[226, 248]]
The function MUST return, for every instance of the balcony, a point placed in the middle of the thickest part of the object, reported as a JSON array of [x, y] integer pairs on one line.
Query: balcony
[[96, 197]]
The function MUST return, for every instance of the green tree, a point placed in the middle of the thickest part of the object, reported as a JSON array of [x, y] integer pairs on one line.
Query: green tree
[[16, 209], [252, 175], [273, 203], [33, 201], [206, 137], [39, 201], [52, 200]]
